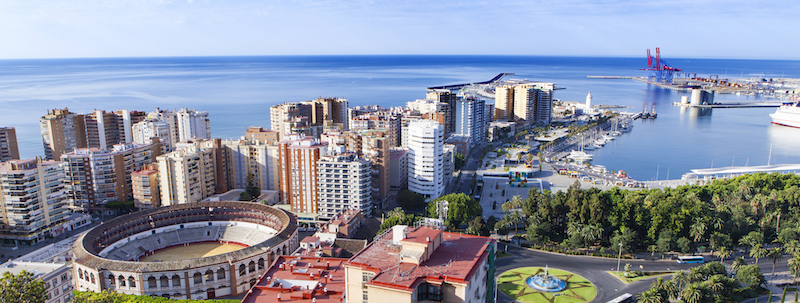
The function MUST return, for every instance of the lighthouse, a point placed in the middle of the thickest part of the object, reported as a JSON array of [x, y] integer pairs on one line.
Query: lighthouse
[[589, 102]]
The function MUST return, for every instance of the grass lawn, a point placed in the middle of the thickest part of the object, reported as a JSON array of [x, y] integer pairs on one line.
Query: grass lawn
[[647, 275], [503, 254], [578, 290]]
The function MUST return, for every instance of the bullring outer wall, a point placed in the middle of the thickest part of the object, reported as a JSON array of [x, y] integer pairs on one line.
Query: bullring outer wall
[[216, 276]]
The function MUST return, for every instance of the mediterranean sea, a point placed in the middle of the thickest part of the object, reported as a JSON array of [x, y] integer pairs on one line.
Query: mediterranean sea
[[238, 91]]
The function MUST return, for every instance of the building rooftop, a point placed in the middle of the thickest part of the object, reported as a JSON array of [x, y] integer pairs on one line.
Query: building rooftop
[[300, 279], [455, 260], [397, 153], [38, 269]]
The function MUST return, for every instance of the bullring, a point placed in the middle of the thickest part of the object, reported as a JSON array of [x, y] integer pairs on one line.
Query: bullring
[[107, 257]]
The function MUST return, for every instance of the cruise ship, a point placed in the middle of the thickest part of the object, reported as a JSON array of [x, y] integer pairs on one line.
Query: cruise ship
[[788, 114]]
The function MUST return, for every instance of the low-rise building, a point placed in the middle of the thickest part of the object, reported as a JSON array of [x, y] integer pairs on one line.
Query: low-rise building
[[422, 264], [301, 279], [57, 275]]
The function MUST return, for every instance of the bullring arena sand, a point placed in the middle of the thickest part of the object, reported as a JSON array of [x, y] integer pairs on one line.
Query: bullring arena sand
[[193, 251]]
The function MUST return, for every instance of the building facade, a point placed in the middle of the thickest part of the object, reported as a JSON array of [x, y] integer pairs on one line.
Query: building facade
[[62, 132], [251, 158], [298, 167], [33, 203], [9, 149], [94, 176], [425, 159], [344, 183], [470, 119], [146, 188], [144, 131], [189, 174]]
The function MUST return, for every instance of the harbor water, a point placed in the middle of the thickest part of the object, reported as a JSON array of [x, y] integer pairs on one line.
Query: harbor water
[[238, 91]]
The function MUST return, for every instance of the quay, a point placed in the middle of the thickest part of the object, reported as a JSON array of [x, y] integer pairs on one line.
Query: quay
[[731, 105]]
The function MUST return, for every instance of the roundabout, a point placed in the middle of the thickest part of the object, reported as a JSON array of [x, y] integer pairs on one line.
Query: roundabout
[[537, 284]]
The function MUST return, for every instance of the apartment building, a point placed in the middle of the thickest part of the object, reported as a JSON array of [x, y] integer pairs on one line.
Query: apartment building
[[9, 149], [94, 176], [189, 174], [344, 183], [33, 204], [62, 132], [251, 158], [146, 188], [469, 119], [425, 159], [263, 135], [144, 131], [57, 276], [523, 100], [298, 168], [422, 264]]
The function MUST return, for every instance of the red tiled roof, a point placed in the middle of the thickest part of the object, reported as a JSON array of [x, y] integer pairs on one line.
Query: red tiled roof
[[328, 275], [454, 261]]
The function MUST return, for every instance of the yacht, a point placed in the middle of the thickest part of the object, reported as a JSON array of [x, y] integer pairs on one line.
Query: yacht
[[787, 115], [579, 156]]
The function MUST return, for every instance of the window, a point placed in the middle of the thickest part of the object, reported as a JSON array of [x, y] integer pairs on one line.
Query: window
[[220, 274], [164, 281], [131, 282], [121, 281], [91, 276], [111, 280], [209, 276], [364, 296], [176, 281], [429, 292], [242, 270], [251, 267], [198, 278], [260, 264], [151, 283]]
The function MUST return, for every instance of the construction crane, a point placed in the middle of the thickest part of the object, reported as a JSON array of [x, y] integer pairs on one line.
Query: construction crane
[[662, 72]]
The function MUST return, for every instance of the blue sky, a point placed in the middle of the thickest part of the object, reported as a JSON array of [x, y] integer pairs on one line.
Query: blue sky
[[135, 28]]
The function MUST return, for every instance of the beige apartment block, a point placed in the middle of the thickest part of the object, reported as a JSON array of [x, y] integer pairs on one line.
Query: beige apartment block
[[9, 149], [32, 200]]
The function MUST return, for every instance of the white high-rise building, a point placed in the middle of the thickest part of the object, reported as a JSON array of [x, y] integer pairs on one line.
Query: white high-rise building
[[145, 130], [193, 124], [344, 183], [425, 160], [470, 119]]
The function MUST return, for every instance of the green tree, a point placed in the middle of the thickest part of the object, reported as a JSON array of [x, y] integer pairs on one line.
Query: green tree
[[459, 161], [461, 208], [106, 296], [750, 275], [651, 295], [477, 227], [628, 239], [665, 241], [738, 263], [791, 247], [794, 267], [698, 230], [723, 252], [23, 287], [775, 254], [685, 245], [410, 200], [692, 293], [652, 249], [758, 252]]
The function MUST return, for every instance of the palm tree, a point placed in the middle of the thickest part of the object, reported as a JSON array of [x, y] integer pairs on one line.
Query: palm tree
[[649, 296], [723, 252], [696, 274], [758, 252], [697, 230], [739, 262], [681, 279], [513, 219], [791, 247], [715, 284], [672, 289], [794, 267], [692, 294], [652, 249], [775, 254]]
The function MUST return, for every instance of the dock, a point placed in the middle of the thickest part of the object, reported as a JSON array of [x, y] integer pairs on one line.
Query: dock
[[731, 104]]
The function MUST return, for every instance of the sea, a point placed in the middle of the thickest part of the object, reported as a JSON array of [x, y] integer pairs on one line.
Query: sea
[[238, 92]]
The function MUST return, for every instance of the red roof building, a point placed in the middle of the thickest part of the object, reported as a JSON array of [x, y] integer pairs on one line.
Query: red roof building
[[300, 279]]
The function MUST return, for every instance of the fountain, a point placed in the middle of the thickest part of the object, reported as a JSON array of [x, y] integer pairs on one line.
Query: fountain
[[545, 282]]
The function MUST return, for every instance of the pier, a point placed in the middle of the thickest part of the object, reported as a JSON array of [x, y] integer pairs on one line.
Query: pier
[[731, 105]]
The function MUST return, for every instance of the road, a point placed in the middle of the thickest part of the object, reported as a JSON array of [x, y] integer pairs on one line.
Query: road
[[595, 269]]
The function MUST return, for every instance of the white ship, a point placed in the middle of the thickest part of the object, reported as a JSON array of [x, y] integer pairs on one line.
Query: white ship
[[788, 114], [579, 156]]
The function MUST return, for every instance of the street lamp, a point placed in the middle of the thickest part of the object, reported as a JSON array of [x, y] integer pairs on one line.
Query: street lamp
[[619, 257]]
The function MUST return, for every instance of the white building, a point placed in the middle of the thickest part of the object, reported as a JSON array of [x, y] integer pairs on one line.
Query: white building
[[187, 175], [145, 130], [425, 160], [470, 119], [33, 203], [184, 124], [344, 183], [252, 156]]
